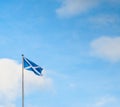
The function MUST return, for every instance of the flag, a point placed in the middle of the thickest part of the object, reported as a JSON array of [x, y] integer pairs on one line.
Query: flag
[[31, 66]]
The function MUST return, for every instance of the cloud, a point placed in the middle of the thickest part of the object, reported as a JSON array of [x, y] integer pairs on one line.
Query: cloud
[[71, 8], [10, 82], [107, 47], [9, 78], [8, 105], [114, 2], [74, 7], [105, 101], [105, 20]]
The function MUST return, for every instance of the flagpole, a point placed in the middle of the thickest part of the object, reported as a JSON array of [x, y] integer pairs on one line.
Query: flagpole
[[22, 80]]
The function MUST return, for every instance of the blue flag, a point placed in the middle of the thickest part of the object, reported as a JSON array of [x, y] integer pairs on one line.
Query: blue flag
[[29, 65]]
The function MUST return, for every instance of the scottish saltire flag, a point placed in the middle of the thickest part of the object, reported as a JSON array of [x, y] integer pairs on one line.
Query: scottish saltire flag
[[29, 65]]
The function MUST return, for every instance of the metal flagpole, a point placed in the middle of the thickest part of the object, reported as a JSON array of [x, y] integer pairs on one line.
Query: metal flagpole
[[22, 80]]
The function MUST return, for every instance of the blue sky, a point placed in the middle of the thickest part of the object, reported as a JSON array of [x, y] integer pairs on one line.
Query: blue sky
[[77, 42]]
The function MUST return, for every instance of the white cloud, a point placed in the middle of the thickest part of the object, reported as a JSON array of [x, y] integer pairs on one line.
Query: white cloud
[[74, 7], [105, 20], [70, 8], [105, 101], [8, 105], [9, 78], [10, 82], [107, 47], [38, 83], [114, 2]]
